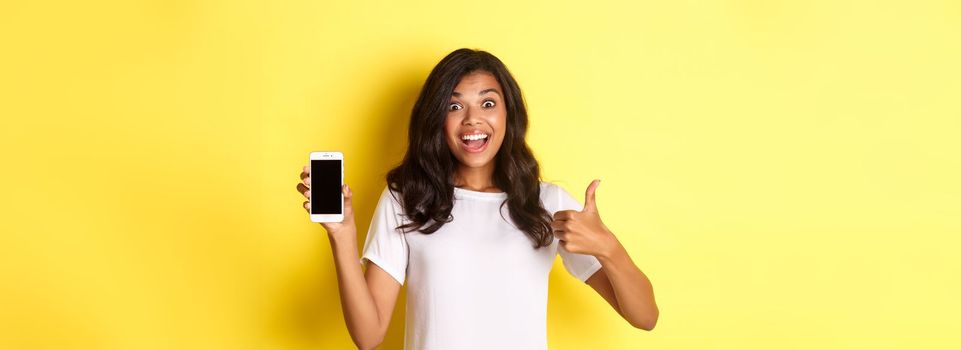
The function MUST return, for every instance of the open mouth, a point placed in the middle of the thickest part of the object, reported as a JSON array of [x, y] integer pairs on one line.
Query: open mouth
[[474, 143]]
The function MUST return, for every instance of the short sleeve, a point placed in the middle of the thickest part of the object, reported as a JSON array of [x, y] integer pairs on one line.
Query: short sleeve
[[581, 266], [385, 245]]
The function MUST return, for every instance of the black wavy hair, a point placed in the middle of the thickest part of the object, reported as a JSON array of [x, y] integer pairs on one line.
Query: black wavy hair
[[425, 178]]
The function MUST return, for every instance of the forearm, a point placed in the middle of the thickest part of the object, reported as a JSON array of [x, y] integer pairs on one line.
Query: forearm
[[632, 289], [360, 311]]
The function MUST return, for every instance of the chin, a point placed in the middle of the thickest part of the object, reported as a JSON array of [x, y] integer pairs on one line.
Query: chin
[[472, 161]]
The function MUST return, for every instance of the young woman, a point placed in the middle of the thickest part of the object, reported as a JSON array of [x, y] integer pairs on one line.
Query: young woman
[[467, 223]]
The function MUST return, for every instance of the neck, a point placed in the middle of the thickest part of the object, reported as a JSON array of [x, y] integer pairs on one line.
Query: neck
[[476, 179]]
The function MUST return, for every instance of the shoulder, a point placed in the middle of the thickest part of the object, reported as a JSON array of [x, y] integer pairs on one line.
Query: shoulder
[[389, 207], [555, 198], [553, 190], [389, 197], [548, 188], [550, 195]]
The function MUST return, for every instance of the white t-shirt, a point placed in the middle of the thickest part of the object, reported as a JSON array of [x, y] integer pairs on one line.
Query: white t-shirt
[[477, 282]]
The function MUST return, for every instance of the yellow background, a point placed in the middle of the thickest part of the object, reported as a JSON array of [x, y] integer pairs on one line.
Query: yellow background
[[785, 172]]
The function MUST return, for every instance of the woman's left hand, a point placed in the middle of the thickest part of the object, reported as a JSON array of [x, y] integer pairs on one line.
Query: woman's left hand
[[583, 232]]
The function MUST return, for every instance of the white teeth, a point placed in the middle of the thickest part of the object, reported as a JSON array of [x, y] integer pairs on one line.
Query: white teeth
[[474, 137]]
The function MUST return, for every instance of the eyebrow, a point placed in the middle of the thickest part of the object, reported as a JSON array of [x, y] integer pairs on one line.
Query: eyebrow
[[494, 90]]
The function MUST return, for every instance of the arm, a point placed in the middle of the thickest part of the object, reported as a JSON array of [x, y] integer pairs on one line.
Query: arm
[[626, 289], [619, 281], [366, 299]]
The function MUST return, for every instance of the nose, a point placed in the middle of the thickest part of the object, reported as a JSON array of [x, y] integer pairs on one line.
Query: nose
[[471, 117]]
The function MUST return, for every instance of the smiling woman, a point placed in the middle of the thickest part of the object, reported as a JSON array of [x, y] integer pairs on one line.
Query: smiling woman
[[476, 273]]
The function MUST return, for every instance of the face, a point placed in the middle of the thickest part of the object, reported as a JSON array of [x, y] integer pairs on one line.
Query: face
[[476, 119]]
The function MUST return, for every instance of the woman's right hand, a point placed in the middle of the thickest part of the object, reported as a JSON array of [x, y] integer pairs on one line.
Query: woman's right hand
[[344, 228]]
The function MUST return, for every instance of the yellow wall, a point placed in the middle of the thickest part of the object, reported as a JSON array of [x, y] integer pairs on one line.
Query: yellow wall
[[786, 172]]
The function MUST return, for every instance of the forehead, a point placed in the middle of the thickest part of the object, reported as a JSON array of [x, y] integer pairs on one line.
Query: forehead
[[473, 82]]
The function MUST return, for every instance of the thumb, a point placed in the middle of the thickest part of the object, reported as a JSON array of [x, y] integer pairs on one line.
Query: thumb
[[589, 201], [348, 194]]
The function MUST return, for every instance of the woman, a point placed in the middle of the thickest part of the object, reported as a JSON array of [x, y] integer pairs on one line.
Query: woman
[[467, 223]]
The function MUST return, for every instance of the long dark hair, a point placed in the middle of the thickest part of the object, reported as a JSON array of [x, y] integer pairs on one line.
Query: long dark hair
[[425, 178]]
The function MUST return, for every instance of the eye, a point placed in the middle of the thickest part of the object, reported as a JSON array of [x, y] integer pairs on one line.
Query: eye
[[455, 106], [488, 104]]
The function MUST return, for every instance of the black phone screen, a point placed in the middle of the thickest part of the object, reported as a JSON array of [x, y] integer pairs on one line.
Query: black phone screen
[[325, 181]]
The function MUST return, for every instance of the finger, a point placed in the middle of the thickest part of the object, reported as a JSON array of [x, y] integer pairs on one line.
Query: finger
[[562, 215], [303, 189], [561, 225], [561, 235], [307, 181], [306, 172], [589, 201], [307, 206], [348, 194]]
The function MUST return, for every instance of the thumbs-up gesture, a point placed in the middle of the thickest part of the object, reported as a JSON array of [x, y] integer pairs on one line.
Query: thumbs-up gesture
[[583, 232]]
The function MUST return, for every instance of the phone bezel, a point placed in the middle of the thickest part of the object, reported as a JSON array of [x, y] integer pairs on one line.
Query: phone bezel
[[319, 155]]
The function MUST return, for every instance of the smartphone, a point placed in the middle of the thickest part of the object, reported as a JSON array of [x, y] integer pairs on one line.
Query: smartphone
[[326, 181]]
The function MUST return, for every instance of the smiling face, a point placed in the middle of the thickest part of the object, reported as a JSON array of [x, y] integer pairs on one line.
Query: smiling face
[[476, 119]]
